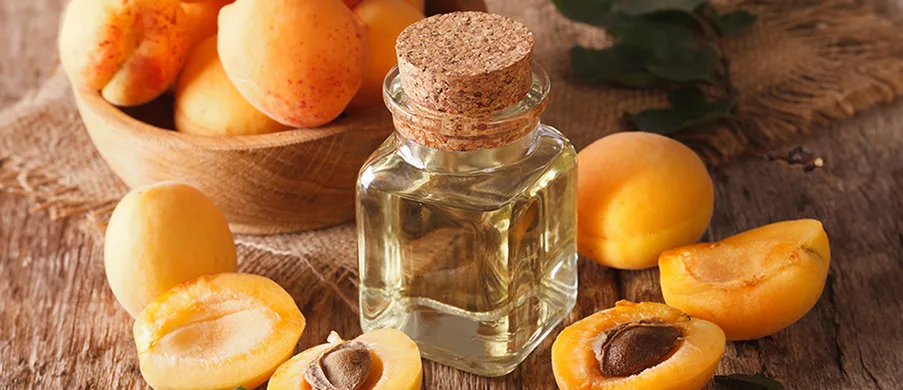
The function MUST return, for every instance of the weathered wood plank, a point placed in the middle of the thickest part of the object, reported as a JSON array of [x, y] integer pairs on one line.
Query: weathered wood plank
[[60, 327]]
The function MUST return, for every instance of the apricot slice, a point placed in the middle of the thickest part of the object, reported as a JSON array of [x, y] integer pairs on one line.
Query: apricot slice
[[637, 346], [384, 359], [217, 332], [160, 236], [639, 194], [130, 50], [298, 61], [385, 19], [753, 284]]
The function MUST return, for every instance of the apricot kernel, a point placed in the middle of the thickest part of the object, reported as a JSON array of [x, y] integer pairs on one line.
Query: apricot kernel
[[631, 348], [345, 366]]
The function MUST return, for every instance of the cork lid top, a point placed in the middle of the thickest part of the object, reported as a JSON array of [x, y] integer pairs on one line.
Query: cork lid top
[[465, 62]]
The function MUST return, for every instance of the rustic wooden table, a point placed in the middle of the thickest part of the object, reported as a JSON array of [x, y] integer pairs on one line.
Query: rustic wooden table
[[60, 327]]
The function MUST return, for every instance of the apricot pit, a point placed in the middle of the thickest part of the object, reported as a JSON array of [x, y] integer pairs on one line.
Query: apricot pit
[[637, 346], [384, 359]]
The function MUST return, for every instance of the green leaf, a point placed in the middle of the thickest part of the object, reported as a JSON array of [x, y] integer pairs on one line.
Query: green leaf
[[689, 108], [641, 7], [594, 12], [240, 388], [686, 98], [734, 22], [746, 382], [619, 65], [685, 64]]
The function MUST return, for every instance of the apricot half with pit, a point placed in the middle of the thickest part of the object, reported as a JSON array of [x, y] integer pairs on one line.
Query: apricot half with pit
[[637, 346], [753, 284], [639, 194], [384, 359], [217, 332]]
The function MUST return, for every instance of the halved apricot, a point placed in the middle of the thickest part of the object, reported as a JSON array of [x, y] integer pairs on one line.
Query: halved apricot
[[753, 284], [383, 359], [637, 346], [217, 332]]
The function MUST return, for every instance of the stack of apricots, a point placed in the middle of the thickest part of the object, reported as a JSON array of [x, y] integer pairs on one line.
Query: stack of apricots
[[236, 67]]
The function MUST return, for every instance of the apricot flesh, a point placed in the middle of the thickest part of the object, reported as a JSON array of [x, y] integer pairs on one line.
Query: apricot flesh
[[394, 363], [384, 20], [131, 50], [160, 236], [217, 332], [206, 102], [688, 366], [298, 61], [639, 194], [753, 284]]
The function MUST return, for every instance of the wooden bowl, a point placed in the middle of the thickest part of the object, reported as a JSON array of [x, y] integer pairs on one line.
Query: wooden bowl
[[265, 184]]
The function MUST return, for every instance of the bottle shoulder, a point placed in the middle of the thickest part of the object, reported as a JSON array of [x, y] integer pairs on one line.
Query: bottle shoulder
[[388, 172]]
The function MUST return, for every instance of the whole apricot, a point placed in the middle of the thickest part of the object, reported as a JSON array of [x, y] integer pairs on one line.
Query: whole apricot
[[202, 18], [298, 61], [637, 346], [207, 103], [753, 284], [131, 50], [160, 236], [639, 194], [217, 332], [384, 359], [384, 19]]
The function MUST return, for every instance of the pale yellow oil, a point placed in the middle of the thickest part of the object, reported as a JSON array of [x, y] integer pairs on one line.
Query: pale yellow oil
[[471, 254]]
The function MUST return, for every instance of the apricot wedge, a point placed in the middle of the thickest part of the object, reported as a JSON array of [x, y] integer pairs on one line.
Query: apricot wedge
[[637, 346], [753, 284], [217, 332], [383, 359]]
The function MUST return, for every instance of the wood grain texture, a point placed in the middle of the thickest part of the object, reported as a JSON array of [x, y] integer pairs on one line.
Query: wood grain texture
[[315, 170], [60, 327]]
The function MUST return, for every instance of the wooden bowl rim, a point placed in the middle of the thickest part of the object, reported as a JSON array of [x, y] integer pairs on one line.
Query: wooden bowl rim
[[94, 102]]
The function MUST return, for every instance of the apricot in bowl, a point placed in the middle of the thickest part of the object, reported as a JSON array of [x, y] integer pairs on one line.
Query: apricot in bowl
[[639, 194], [753, 284], [130, 51], [637, 346], [300, 61], [206, 102], [384, 359], [217, 332]]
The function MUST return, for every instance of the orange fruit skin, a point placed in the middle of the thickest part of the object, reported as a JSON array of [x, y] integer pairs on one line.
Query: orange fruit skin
[[639, 194]]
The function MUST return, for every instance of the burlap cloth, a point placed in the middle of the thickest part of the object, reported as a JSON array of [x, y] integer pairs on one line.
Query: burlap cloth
[[802, 65]]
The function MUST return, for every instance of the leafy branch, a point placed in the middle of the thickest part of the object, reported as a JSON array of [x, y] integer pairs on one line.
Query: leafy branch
[[670, 44]]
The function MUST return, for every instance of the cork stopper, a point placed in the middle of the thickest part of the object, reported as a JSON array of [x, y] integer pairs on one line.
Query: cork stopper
[[468, 63]]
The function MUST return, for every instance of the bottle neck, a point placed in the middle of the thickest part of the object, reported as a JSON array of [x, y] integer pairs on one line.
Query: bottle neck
[[449, 161], [444, 131]]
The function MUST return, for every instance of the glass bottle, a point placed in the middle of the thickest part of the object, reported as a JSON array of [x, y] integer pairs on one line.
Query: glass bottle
[[472, 253]]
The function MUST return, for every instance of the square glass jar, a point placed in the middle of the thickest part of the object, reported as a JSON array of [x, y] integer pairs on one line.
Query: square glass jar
[[470, 253]]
